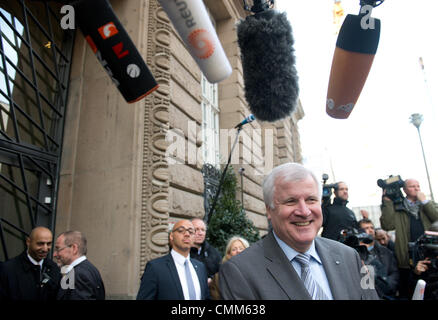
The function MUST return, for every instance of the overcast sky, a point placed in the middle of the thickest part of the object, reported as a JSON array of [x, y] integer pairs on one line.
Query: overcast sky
[[377, 140]]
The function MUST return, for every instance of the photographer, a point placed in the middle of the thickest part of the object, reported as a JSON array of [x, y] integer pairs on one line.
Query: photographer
[[409, 219], [337, 216], [383, 261], [425, 262]]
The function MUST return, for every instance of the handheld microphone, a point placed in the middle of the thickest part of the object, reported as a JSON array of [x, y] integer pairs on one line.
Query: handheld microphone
[[356, 47], [114, 49], [268, 61], [419, 290], [248, 119], [191, 21]]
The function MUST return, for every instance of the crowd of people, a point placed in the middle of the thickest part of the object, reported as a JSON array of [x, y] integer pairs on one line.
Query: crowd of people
[[313, 250]]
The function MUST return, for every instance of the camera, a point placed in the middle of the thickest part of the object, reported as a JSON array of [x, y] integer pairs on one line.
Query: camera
[[327, 190], [353, 237], [426, 246], [392, 187]]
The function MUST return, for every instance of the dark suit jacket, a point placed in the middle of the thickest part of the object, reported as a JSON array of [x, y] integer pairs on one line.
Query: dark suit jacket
[[160, 280], [21, 280], [263, 272], [88, 284]]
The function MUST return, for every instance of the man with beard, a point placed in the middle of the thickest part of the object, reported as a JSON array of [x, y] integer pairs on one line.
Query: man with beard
[[175, 276], [31, 275]]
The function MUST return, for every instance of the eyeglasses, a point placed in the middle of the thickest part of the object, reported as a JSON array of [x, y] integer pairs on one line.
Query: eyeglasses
[[200, 230], [60, 249], [184, 230]]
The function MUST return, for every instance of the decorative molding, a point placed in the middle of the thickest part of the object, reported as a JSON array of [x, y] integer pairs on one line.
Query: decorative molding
[[155, 172]]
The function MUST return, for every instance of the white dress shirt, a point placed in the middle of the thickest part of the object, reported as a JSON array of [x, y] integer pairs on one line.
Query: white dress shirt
[[67, 268], [179, 262], [34, 262], [315, 264]]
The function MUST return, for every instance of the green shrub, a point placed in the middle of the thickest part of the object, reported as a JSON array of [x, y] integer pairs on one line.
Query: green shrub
[[229, 218]]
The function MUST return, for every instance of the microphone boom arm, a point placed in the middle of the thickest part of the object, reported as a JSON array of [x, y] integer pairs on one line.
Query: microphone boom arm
[[216, 197]]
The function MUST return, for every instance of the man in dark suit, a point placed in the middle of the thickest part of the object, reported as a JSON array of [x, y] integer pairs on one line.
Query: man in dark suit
[[81, 279], [175, 276], [291, 262], [31, 275]]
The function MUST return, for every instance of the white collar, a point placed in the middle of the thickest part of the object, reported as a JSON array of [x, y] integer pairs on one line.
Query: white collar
[[179, 258], [291, 252], [34, 262], [67, 268]]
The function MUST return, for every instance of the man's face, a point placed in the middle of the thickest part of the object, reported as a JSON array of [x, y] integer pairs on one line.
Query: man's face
[[368, 228], [182, 237], [411, 188], [297, 216], [382, 238], [200, 231], [342, 191], [39, 243], [63, 254]]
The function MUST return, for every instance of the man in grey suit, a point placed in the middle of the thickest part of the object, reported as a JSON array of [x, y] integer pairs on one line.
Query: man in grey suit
[[291, 262]]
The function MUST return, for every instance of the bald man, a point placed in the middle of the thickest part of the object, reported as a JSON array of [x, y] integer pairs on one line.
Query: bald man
[[409, 223], [175, 276], [31, 275]]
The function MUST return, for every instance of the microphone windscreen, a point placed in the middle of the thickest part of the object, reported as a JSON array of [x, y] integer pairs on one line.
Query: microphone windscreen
[[114, 49], [271, 82], [352, 61]]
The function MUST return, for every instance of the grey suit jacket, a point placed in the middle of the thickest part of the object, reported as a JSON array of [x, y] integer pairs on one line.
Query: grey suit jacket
[[263, 272]]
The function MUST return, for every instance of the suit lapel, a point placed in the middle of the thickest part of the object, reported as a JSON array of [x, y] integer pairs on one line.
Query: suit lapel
[[333, 266], [174, 275], [282, 271]]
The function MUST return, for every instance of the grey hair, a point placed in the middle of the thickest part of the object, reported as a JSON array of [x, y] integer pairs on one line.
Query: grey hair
[[287, 172], [75, 237]]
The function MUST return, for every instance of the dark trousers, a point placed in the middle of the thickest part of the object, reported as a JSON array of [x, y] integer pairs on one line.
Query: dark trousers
[[405, 288]]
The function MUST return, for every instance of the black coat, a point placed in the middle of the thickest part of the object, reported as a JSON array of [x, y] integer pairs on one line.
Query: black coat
[[386, 271], [88, 284], [337, 217], [22, 280], [209, 256]]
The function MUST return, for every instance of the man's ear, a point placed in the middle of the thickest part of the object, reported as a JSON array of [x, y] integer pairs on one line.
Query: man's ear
[[268, 212], [75, 248]]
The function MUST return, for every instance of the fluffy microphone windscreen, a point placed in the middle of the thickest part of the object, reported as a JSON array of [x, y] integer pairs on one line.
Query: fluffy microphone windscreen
[[271, 82]]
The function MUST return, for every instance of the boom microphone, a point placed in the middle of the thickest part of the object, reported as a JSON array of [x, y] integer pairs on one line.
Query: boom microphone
[[191, 21], [114, 48], [356, 47], [269, 74]]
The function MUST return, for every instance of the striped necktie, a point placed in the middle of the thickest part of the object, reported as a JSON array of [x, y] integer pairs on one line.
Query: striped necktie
[[311, 285], [190, 285]]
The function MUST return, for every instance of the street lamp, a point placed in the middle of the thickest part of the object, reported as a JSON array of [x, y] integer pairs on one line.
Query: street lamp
[[416, 120]]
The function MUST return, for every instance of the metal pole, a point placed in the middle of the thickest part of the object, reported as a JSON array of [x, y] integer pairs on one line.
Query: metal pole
[[425, 164]]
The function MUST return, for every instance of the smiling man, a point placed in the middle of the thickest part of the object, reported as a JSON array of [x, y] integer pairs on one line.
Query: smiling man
[[291, 262], [31, 275]]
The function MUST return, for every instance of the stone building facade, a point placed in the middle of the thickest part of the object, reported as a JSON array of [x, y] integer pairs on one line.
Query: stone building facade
[[117, 182]]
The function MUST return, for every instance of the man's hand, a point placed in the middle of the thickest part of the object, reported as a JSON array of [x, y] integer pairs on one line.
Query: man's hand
[[364, 214], [422, 266], [421, 196]]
